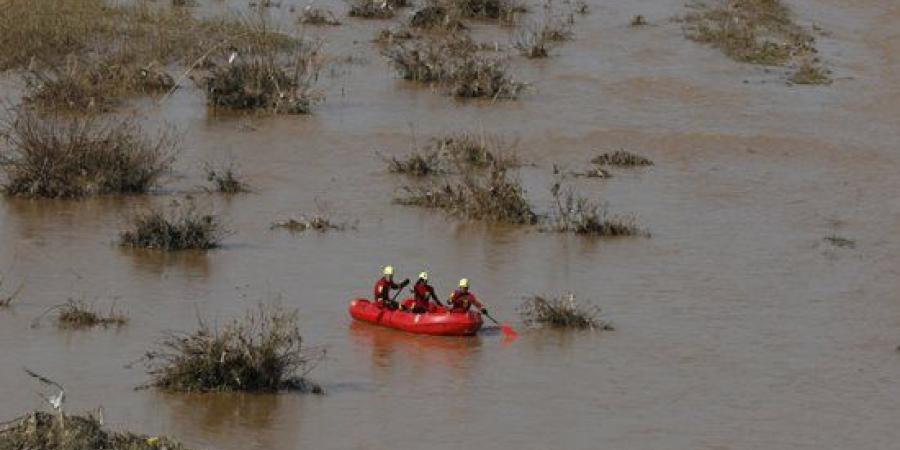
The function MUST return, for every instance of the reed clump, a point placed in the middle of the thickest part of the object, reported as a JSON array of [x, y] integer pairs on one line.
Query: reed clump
[[180, 228], [46, 431], [492, 196], [64, 157], [226, 179], [78, 314], [752, 31], [263, 351], [621, 158], [562, 312]]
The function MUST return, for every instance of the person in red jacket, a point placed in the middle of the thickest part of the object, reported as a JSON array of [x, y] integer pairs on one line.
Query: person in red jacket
[[461, 299], [383, 287], [422, 294]]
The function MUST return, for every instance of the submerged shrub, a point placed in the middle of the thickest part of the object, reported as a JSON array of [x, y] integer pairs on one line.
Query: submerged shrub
[[532, 43], [318, 16], [263, 351], [490, 9], [491, 195], [810, 73], [179, 229], [317, 222], [226, 179], [46, 431], [261, 81], [417, 163], [6, 298], [576, 214], [372, 9], [621, 158], [564, 312], [57, 156], [435, 15], [78, 314], [458, 151]]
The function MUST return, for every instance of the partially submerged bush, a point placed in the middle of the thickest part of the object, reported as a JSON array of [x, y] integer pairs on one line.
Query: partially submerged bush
[[576, 214], [316, 222], [46, 431], [57, 156], [78, 314], [395, 34], [454, 63], [492, 196], [226, 179], [179, 229], [532, 43], [318, 16], [621, 158], [437, 15], [638, 21], [504, 10], [417, 163], [261, 352], [563, 312], [458, 151], [839, 241], [262, 81], [753, 31], [810, 73], [371, 9], [6, 298]]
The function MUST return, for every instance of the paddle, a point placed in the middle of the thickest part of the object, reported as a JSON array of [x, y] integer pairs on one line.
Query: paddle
[[506, 329]]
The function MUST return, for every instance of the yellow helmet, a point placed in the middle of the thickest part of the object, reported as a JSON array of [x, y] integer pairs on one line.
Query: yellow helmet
[[388, 270], [423, 276], [464, 283]]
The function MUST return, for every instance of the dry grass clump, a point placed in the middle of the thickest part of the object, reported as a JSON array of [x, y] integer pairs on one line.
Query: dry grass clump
[[418, 163], [85, 85], [491, 196], [460, 151], [753, 31], [179, 229], [318, 16], [262, 80], [263, 351], [576, 214], [226, 179], [621, 158], [46, 431], [78, 314], [453, 62], [504, 10], [564, 312], [57, 156], [809, 72]]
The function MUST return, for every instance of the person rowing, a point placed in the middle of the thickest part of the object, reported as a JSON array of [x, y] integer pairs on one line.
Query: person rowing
[[423, 294], [462, 299], [383, 287]]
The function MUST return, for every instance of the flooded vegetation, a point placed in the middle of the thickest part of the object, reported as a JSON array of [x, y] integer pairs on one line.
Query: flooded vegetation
[[58, 156], [318, 16], [562, 312], [47, 431], [576, 214], [263, 351], [226, 179], [621, 158], [181, 227], [754, 31], [317, 222]]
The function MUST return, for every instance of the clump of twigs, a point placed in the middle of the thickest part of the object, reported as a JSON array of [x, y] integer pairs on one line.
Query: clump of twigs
[[576, 214], [418, 163], [503, 10], [78, 314], [60, 156], [621, 158], [226, 179], [532, 43], [458, 151], [6, 299], [753, 31], [316, 222], [47, 431], [180, 228], [437, 16], [318, 16], [839, 241], [492, 195], [266, 81], [562, 312], [262, 351]]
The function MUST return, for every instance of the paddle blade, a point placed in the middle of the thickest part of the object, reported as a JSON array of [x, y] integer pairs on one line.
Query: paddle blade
[[508, 331]]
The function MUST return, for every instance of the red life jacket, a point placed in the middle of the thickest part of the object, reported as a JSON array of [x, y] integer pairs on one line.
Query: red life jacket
[[382, 290], [421, 293]]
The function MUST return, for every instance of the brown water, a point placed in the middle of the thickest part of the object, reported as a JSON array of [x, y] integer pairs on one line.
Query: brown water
[[737, 326]]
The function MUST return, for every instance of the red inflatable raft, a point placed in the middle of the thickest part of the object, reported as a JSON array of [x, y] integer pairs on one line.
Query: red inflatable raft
[[439, 322]]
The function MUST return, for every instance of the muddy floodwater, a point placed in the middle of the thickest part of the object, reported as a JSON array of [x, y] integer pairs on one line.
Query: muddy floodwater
[[738, 326]]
